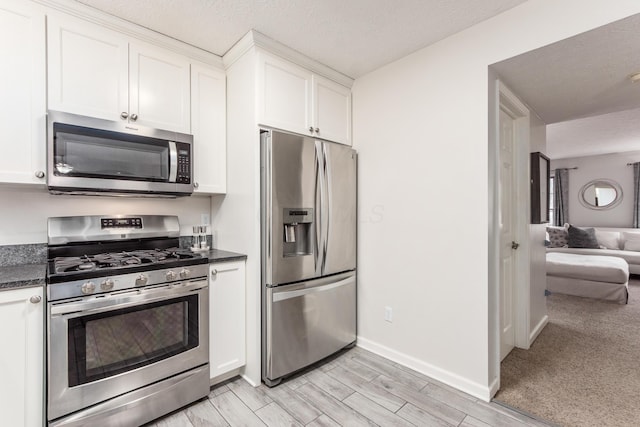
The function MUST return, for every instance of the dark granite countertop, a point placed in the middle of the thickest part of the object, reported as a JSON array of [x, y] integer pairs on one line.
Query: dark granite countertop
[[22, 276], [218, 255]]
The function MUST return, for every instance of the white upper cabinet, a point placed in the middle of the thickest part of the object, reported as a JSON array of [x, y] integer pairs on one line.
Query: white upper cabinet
[[284, 95], [208, 124], [88, 68], [331, 110], [159, 88], [23, 90], [97, 72], [22, 357], [292, 98]]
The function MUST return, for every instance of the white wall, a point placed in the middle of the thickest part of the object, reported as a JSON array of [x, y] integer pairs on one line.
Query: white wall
[[537, 252], [608, 166], [24, 211], [421, 127]]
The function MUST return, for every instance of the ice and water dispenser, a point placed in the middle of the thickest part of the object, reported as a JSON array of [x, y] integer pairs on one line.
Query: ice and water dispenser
[[298, 231]]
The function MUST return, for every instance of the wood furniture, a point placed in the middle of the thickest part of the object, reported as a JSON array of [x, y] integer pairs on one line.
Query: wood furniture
[[540, 176]]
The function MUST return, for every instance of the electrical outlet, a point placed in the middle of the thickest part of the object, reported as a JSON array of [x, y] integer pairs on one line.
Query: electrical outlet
[[204, 219], [388, 314]]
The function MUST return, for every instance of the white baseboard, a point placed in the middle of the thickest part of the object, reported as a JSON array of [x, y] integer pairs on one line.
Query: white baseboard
[[454, 380], [494, 387], [539, 327]]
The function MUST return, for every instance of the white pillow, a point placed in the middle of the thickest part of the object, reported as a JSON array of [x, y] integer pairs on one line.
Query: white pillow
[[608, 239], [631, 241]]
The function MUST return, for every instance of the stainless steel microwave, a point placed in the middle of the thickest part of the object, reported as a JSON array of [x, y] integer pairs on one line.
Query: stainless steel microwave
[[92, 156]]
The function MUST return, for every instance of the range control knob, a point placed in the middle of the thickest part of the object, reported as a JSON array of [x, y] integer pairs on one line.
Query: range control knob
[[171, 275], [185, 273], [142, 280], [88, 288], [107, 285]]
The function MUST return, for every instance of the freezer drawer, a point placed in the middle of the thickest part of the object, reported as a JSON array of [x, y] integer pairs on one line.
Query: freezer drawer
[[306, 322]]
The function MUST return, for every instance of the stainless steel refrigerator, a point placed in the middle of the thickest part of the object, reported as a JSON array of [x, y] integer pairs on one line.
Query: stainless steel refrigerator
[[308, 251]]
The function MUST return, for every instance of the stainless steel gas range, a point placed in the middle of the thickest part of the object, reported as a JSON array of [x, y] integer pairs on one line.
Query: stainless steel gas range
[[127, 320]]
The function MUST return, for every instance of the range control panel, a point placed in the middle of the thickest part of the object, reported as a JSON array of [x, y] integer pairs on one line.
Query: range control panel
[[120, 223]]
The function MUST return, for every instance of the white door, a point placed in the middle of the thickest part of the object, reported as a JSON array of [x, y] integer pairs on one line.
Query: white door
[[284, 95], [507, 232], [22, 356], [22, 88], [208, 125], [88, 68], [331, 110], [227, 338], [160, 92]]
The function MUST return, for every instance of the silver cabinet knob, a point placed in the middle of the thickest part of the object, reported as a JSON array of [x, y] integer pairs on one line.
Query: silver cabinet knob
[[107, 285], [310, 128], [35, 299], [39, 174], [171, 275], [196, 185], [185, 273], [124, 115], [317, 130], [134, 117], [88, 288], [213, 273], [142, 280]]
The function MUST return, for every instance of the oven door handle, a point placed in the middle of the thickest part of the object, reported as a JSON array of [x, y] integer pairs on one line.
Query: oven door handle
[[122, 300]]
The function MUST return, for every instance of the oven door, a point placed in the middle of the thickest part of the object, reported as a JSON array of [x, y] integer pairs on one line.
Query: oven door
[[102, 347]]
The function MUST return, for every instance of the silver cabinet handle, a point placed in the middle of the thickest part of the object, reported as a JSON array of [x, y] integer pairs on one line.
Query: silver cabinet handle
[[196, 185], [317, 130], [124, 115], [134, 117], [310, 128], [39, 174], [214, 272], [35, 299]]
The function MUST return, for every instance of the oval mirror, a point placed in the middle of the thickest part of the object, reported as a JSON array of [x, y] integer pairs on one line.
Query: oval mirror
[[601, 194]]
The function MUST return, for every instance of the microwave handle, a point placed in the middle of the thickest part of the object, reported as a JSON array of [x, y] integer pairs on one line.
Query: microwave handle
[[173, 161]]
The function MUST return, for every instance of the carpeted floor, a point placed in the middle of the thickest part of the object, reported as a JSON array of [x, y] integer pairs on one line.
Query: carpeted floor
[[584, 368]]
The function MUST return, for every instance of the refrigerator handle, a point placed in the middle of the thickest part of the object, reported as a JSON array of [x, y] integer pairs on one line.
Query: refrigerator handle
[[319, 201], [280, 296], [326, 221]]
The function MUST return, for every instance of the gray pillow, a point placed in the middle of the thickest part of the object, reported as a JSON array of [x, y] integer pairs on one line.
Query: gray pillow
[[558, 237], [583, 238]]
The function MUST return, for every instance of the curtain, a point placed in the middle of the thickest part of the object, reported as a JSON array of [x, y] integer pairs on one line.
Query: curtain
[[561, 197], [636, 195]]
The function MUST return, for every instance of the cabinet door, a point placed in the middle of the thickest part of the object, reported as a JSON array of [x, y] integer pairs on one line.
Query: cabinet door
[[88, 68], [331, 110], [283, 95], [227, 317], [22, 357], [22, 87], [159, 88], [208, 125]]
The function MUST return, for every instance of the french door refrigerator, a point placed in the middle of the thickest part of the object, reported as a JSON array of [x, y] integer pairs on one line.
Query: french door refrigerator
[[308, 251]]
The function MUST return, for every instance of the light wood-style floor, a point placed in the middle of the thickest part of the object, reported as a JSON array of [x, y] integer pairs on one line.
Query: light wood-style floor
[[356, 388]]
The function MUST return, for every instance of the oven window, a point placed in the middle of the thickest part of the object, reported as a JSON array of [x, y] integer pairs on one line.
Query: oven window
[[104, 155], [106, 344]]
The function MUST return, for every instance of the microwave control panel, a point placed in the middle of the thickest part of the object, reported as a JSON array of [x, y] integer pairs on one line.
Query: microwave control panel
[[184, 163]]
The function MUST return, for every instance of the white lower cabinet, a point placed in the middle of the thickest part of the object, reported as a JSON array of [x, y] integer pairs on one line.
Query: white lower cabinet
[[227, 345], [22, 357]]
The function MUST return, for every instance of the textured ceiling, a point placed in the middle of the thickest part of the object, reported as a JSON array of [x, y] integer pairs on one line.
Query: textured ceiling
[[582, 76], [350, 36], [580, 88], [607, 133]]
